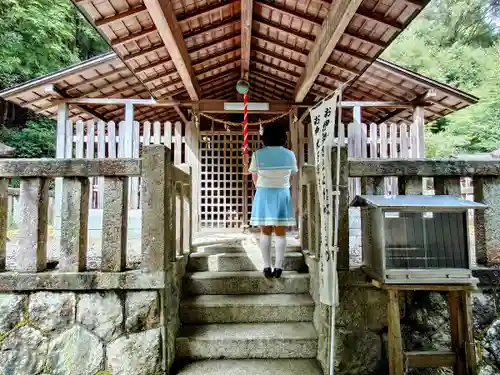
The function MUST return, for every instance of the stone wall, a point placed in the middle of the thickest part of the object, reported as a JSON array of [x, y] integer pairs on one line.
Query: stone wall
[[111, 332], [361, 324]]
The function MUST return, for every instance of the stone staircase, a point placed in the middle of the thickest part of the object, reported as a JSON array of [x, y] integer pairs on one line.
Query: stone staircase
[[235, 321]]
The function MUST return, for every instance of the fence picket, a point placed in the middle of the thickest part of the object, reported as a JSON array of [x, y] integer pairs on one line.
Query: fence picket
[[157, 133], [79, 139], [101, 154]]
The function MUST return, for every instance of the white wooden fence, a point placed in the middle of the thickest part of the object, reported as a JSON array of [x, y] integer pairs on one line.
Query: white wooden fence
[[98, 139]]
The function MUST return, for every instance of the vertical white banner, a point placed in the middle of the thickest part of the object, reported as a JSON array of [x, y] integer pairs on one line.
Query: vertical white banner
[[323, 120]]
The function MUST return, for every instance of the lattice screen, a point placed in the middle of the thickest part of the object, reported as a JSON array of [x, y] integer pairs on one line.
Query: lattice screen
[[224, 203]]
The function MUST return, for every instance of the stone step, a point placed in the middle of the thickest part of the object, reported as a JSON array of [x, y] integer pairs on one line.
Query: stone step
[[247, 308], [248, 341], [244, 282], [247, 261], [252, 367], [235, 248]]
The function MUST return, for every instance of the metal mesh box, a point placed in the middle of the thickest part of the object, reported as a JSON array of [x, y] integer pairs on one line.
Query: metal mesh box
[[416, 239]]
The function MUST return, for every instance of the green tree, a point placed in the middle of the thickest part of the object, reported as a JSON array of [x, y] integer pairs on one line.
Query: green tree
[[38, 37], [36, 140], [457, 42]]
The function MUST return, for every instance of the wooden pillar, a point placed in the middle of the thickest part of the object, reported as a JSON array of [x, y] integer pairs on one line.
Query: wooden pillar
[[418, 138], [62, 119], [294, 143], [394, 340]]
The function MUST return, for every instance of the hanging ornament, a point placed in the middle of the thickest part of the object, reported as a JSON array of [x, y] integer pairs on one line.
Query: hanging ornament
[[226, 126], [261, 130]]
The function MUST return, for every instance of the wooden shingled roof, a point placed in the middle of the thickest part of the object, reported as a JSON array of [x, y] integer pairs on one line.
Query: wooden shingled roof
[[293, 50]]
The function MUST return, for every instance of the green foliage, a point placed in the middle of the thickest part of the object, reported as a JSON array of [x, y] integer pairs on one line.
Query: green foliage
[[36, 140], [38, 37], [458, 42]]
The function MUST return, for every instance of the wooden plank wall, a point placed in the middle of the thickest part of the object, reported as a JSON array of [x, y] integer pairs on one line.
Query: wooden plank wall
[[98, 139]]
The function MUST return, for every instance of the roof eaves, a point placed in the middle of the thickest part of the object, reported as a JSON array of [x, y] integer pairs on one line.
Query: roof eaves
[[51, 77], [469, 98]]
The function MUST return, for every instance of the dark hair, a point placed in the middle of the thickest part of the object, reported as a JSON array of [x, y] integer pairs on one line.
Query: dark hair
[[274, 135]]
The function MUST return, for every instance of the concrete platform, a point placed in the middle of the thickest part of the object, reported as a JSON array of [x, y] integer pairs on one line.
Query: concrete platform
[[252, 367]]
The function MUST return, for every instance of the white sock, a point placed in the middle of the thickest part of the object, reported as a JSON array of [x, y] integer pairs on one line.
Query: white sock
[[280, 251], [265, 248]]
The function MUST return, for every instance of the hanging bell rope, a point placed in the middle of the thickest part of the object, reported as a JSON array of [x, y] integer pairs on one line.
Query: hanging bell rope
[[243, 87]]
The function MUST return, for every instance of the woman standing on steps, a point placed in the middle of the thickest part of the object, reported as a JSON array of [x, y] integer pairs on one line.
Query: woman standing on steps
[[272, 210]]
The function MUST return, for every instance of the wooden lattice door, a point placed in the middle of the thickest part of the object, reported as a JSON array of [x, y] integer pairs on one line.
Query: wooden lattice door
[[225, 193]]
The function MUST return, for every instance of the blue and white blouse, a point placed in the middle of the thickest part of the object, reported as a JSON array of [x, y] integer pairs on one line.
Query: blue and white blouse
[[274, 166]]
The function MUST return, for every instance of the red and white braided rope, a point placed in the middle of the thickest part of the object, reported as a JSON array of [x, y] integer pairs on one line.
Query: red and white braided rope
[[245, 124]]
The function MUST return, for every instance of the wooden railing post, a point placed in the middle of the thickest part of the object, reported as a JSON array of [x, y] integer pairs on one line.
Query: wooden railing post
[[343, 239], [34, 200], [157, 196], [74, 224], [114, 224]]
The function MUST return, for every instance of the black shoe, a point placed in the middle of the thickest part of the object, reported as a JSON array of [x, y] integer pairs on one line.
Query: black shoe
[[268, 273], [277, 272]]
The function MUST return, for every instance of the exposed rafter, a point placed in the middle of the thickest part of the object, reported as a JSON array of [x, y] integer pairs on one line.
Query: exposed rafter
[[339, 16], [134, 36], [289, 12], [246, 36], [205, 10], [163, 16], [122, 16]]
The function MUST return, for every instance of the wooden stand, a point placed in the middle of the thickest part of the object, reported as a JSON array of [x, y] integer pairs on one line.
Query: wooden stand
[[461, 358]]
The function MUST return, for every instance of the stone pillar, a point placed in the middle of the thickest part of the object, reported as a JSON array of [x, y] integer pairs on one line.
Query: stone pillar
[[487, 222], [157, 199]]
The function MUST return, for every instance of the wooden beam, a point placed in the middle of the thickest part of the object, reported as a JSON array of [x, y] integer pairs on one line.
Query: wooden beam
[[100, 77], [316, 21], [278, 43], [134, 36], [61, 95], [217, 106], [307, 38], [335, 24], [377, 17], [246, 36], [430, 359], [213, 27], [163, 16], [204, 10], [122, 16]]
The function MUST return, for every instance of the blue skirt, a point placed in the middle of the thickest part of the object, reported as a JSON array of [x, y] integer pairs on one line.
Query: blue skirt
[[272, 207]]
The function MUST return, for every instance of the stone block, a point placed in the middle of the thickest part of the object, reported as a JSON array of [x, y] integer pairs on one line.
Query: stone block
[[23, 352], [11, 310], [76, 352], [255, 340], [491, 345], [141, 311], [357, 352], [101, 314], [52, 311], [137, 354], [250, 282]]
